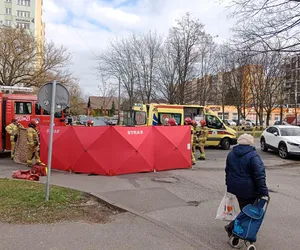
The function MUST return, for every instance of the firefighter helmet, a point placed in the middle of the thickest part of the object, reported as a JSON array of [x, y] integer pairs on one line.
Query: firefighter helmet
[[203, 123], [172, 122], [33, 122], [194, 123], [187, 121], [90, 122]]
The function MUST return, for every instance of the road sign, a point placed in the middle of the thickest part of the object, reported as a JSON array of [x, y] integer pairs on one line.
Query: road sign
[[62, 97]]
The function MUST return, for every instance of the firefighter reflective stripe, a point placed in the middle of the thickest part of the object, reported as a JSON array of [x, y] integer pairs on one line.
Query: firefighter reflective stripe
[[196, 135]]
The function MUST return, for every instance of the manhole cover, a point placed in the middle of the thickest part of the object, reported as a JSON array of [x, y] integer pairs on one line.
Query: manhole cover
[[194, 203], [166, 179]]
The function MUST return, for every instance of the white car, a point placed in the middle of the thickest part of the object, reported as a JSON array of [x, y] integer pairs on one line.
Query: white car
[[230, 122], [283, 139]]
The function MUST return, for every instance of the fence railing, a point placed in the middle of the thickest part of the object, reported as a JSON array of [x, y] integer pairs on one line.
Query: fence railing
[[255, 131]]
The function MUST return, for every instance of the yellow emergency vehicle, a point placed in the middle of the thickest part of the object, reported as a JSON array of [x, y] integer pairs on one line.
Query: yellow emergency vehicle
[[155, 114]]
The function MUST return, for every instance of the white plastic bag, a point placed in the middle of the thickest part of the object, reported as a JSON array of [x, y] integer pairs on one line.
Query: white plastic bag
[[226, 209]]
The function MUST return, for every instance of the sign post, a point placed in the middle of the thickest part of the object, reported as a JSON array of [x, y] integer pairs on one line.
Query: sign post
[[53, 108], [52, 97]]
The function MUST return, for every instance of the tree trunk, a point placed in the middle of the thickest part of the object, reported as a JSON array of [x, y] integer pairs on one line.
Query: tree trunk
[[223, 110], [239, 115], [268, 118], [281, 114], [261, 116]]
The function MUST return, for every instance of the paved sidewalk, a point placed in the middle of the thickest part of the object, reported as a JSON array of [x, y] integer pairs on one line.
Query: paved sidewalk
[[177, 208], [126, 232]]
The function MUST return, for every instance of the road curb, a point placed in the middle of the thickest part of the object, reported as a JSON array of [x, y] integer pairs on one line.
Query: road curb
[[155, 222], [164, 226]]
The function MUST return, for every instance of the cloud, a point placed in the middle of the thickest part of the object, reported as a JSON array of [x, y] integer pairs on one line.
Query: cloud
[[86, 26]]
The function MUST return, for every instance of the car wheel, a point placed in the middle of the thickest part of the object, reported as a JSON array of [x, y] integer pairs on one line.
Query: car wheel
[[225, 144], [283, 153], [263, 145]]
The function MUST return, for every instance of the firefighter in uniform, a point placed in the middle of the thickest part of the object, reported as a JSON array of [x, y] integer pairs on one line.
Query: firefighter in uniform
[[172, 122], [202, 139], [12, 130], [196, 135], [188, 121], [33, 143]]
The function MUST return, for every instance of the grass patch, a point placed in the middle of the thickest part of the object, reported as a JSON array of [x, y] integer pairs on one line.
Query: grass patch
[[24, 202]]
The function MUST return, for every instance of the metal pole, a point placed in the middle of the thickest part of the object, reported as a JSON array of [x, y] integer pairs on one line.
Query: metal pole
[[119, 101], [296, 100], [53, 104]]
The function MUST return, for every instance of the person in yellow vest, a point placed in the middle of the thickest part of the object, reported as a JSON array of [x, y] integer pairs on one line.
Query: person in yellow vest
[[196, 135], [188, 121], [33, 143], [12, 130], [203, 135]]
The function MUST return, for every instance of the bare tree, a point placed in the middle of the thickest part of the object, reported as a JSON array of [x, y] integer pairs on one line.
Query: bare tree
[[235, 66], [266, 78], [222, 78], [146, 49], [77, 102], [23, 60], [184, 40], [118, 61], [204, 68], [107, 91], [168, 75], [271, 23]]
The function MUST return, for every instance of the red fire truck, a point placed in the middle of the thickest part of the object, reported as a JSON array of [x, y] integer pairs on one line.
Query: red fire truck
[[22, 107]]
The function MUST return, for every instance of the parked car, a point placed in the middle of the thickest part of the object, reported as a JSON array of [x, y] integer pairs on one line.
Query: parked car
[[250, 122], [284, 139], [278, 123], [229, 122]]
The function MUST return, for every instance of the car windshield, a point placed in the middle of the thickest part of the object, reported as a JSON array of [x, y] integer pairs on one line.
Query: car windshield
[[290, 131]]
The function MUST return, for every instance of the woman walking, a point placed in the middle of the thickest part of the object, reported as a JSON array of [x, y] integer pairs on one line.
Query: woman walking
[[245, 176]]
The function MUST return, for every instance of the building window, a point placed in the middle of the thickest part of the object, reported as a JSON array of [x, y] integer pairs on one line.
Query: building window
[[234, 116], [24, 2], [23, 108], [7, 22], [23, 13], [23, 25], [8, 11], [276, 117], [226, 116], [8, 1]]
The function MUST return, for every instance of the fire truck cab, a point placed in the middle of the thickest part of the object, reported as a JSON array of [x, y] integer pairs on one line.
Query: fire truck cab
[[22, 107]]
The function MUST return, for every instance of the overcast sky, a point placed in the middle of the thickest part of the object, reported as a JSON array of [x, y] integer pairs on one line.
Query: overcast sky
[[85, 26]]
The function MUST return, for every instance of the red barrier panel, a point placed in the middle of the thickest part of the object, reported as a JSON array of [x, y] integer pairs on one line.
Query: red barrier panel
[[117, 150], [172, 148]]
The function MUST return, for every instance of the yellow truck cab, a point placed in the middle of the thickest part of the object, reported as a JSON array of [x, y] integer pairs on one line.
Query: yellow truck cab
[[155, 114]]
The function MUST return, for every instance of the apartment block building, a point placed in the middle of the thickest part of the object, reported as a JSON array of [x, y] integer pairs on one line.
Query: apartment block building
[[211, 89], [26, 14], [292, 81]]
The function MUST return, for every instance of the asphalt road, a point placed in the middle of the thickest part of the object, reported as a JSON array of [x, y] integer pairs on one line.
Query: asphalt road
[[182, 200]]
